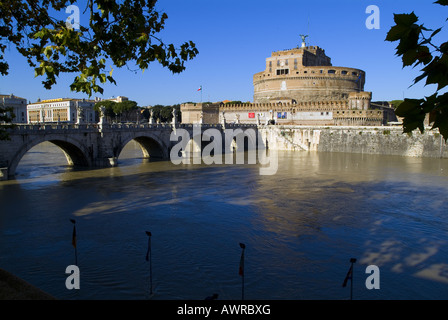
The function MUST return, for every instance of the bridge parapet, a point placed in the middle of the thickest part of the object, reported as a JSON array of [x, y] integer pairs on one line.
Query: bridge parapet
[[138, 125], [23, 128], [219, 126], [30, 128]]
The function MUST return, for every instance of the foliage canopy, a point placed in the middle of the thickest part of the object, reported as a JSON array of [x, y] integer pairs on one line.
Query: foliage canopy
[[116, 32], [417, 48]]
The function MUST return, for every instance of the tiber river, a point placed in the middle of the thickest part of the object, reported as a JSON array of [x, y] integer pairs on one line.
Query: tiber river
[[300, 227]]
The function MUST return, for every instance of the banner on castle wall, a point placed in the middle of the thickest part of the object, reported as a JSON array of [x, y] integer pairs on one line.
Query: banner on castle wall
[[251, 114], [281, 115]]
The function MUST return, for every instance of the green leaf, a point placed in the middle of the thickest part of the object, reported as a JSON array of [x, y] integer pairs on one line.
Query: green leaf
[[405, 19], [409, 57], [436, 31], [38, 71], [111, 80], [442, 2], [409, 107], [41, 33], [48, 52], [423, 55]]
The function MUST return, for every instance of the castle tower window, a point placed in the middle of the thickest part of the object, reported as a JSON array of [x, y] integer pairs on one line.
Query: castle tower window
[[343, 72], [331, 71], [282, 71]]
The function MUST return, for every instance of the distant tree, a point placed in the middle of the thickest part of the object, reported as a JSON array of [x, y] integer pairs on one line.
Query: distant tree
[[164, 114], [116, 32], [109, 108], [6, 118], [396, 103], [155, 111], [126, 110], [417, 48], [145, 113]]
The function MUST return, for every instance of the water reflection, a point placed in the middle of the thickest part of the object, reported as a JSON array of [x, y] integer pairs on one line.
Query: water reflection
[[301, 227]]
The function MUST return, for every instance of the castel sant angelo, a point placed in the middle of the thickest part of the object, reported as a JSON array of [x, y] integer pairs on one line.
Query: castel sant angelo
[[299, 86]]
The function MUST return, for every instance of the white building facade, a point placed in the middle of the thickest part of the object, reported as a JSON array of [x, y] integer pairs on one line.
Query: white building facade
[[64, 110], [18, 106]]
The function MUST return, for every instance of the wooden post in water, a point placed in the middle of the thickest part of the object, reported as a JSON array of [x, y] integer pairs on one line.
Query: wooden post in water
[[241, 269], [349, 276], [74, 240], [148, 258]]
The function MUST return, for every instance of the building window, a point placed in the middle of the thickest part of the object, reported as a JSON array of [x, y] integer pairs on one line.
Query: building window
[[331, 71], [282, 71], [343, 72]]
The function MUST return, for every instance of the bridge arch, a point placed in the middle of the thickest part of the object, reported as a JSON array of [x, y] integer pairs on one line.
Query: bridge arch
[[241, 140], [151, 146], [73, 150], [211, 138]]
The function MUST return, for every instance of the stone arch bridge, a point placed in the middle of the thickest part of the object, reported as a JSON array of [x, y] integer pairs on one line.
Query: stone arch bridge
[[99, 145]]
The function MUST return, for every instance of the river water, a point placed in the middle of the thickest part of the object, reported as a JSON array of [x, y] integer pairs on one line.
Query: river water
[[300, 226]]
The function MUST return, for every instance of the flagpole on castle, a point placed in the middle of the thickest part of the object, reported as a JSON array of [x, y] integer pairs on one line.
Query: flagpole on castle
[[200, 89]]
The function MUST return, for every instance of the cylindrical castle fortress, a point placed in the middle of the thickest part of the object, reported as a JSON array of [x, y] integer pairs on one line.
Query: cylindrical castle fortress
[[305, 74]]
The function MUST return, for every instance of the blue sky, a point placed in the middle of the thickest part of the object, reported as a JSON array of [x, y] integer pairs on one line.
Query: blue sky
[[235, 37]]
